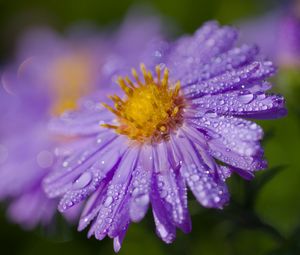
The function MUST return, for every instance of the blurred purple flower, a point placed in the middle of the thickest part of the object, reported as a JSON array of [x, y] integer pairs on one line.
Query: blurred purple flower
[[289, 41], [49, 81], [25, 158], [167, 132], [55, 74], [277, 34]]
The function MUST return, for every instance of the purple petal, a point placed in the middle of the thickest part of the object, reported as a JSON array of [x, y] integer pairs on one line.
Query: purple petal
[[140, 185], [61, 180], [118, 240], [165, 229], [171, 187], [190, 53], [231, 80], [91, 178], [115, 194], [207, 186], [225, 62], [93, 205], [32, 208], [232, 140], [87, 120], [243, 103]]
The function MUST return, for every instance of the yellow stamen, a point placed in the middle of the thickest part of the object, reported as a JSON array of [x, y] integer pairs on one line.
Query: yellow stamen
[[136, 76], [129, 82], [151, 110]]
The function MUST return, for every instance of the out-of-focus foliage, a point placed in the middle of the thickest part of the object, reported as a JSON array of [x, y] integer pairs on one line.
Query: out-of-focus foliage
[[263, 216]]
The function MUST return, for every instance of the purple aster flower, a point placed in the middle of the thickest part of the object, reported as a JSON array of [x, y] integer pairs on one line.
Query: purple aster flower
[[278, 35], [182, 123]]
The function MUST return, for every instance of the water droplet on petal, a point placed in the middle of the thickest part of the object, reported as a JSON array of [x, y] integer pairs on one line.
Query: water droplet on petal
[[142, 199], [108, 201], [211, 114], [195, 177], [217, 199], [65, 163], [162, 230], [83, 180], [163, 193], [109, 220], [260, 95], [245, 97]]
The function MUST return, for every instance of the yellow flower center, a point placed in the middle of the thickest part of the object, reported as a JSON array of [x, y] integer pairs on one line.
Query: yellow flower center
[[70, 78], [151, 109]]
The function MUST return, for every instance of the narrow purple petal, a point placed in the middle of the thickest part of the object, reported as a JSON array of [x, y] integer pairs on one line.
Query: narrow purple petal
[[220, 64], [171, 188], [91, 178], [118, 240], [93, 205], [165, 229], [230, 80], [243, 103], [116, 192], [206, 184], [190, 53], [232, 140], [87, 120], [141, 185], [61, 180], [32, 208], [241, 78]]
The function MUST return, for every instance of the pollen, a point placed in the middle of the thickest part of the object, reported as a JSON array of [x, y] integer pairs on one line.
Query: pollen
[[151, 109]]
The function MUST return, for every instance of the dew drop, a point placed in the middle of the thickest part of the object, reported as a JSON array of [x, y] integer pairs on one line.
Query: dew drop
[[83, 180], [163, 193], [211, 114], [85, 220], [260, 95], [163, 232], [108, 201], [245, 97], [221, 102], [109, 220], [135, 191], [142, 199], [217, 199], [195, 177], [157, 54]]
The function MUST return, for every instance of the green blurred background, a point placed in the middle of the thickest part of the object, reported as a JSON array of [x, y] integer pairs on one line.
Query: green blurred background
[[264, 216]]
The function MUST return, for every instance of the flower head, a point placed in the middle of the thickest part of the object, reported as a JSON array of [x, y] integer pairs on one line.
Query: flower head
[[151, 109], [62, 69], [277, 34], [174, 125]]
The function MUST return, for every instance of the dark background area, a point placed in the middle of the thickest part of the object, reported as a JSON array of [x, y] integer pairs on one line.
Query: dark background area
[[264, 215]]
